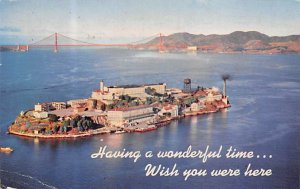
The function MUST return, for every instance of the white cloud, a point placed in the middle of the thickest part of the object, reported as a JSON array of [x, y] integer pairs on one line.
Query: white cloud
[[9, 1], [202, 1]]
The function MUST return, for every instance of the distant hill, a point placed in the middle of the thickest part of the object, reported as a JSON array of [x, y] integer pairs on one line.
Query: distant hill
[[235, 42]]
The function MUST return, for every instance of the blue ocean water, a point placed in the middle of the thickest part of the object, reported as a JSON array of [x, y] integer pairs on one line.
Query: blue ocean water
[[264, 117]]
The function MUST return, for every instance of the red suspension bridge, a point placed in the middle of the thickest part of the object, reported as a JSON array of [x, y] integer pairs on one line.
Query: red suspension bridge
[[57, 41]]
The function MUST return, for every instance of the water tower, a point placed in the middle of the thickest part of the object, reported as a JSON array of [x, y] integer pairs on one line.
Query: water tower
[[187, 85]]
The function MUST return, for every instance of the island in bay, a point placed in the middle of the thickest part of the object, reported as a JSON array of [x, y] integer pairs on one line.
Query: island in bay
[[119, 109]]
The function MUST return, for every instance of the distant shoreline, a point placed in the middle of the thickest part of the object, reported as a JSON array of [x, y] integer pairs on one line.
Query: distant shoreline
[[237, 42], [184, 51]]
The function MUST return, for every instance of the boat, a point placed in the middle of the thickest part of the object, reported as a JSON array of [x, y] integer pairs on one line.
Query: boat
[[129, 129], [120, 132], [163, 123], [145, 128], [6, 149]]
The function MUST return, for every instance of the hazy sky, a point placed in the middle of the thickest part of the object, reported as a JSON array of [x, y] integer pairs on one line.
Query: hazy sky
[[125, 20]]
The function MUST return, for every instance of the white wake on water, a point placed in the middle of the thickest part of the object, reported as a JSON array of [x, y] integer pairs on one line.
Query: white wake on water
[[29, 177], [277, 133]]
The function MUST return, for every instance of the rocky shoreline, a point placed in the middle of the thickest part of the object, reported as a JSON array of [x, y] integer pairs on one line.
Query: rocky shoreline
[[106, 130]]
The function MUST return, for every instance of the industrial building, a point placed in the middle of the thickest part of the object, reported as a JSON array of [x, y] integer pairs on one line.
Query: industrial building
[[137, 114], [107, 94]]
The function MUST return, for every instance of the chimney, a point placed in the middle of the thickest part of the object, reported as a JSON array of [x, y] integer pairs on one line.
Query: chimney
[[224, 88], [101, 85]]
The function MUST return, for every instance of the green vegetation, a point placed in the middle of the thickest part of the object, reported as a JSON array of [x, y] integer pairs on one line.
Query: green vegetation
[[150, 91], [53, 118]]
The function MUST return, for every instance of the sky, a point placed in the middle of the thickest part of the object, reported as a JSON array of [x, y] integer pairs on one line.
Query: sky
[[24, 21]]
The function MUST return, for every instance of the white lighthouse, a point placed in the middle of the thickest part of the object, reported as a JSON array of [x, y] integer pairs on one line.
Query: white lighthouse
[[101, 85]]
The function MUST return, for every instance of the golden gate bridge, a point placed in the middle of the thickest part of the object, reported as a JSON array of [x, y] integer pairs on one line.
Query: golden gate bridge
[[57, 41]]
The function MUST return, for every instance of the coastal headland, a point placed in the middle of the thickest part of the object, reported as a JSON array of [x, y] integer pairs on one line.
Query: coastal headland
[[118, 109], [237, 42]]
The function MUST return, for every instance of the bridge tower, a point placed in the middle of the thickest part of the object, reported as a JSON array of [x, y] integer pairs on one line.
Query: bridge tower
[[55, 43]]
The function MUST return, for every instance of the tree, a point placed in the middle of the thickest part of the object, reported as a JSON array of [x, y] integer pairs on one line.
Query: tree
[[67, 122], [79, 125], [73, 123], [126, 98], [149, 100], [48, 130], [133, 103], [65, 125], [103, 107], [150, 91], [90, 124], [120, 104], [122, 97], [110, 106], [85, 124], [168, 114], [53, 117], [55, 128], [27, 125]]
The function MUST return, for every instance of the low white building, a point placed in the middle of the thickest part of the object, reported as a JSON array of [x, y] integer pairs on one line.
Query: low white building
[[212, 97], [40, 114], [192, 48], [103, 96], [77, 102], [59, 105], [42, 107], [173, 91], [38, 107], [197, 106], [169, 109], [121, 116]]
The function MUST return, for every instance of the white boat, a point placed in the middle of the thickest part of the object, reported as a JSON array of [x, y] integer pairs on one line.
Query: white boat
[[119, 132], [6, 150]]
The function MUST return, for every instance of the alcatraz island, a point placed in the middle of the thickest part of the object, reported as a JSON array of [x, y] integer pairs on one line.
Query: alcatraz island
[[119, 109]]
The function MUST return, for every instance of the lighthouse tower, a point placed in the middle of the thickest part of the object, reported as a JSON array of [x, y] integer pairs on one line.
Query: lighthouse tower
[[102, 86]]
